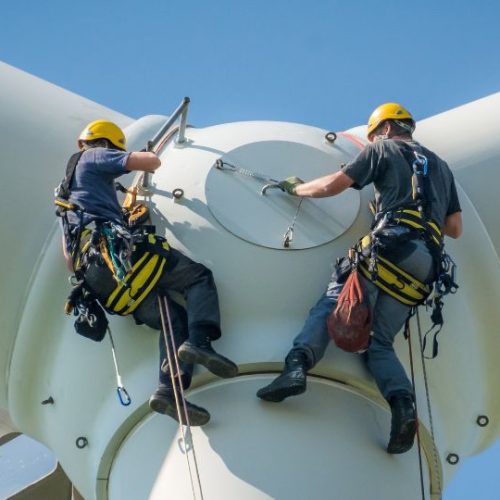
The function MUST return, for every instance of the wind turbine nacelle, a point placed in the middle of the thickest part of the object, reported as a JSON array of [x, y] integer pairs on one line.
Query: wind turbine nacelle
[[302, 448]]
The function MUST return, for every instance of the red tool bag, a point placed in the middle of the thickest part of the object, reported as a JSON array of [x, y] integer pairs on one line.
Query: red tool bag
[[349, 324]]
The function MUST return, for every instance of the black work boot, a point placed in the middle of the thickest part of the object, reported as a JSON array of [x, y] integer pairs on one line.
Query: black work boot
[[163, 401], [200, 351], [403, 424], [291, 382]]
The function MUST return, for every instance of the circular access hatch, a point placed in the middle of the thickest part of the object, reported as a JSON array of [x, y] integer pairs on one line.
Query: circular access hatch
[[235, 198]]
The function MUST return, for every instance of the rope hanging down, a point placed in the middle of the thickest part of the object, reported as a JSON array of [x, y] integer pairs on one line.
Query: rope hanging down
[[435, 464], [420, 466], [180, 400], [428, 397], [270, 184]]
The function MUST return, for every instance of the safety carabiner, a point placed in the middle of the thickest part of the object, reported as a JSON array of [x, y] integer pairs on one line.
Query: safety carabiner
[[288, 237], [420, 160], [123, 396]]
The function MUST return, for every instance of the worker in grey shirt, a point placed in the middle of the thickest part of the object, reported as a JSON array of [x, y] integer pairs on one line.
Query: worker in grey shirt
[[387, 163]]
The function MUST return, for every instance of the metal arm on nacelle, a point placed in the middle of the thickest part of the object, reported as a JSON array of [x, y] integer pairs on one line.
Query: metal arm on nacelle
[[157, 140]]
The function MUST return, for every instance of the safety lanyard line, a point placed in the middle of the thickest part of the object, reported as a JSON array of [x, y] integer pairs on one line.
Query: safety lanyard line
[[272, 183], [427, 395], [224, 165], [420, 466], [288, 236], [122, 393], [178, 392]]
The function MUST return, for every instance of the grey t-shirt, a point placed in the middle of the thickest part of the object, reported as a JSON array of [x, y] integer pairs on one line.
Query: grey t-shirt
[[383, 162], [93, 187]]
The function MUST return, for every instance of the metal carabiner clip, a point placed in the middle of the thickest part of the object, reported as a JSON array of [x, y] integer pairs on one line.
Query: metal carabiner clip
[[123, 396], [288, 237], [420, 160]]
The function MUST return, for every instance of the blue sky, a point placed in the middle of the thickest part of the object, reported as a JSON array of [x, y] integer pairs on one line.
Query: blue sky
[[322, 62]]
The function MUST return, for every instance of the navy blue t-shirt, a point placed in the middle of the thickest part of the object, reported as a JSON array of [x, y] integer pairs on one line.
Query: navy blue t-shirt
[[93, 184]]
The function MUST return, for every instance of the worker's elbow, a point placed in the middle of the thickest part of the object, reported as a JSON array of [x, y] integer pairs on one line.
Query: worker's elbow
[[455, 232], [155, 161], [453, 225], [152, 161], [144, 160]]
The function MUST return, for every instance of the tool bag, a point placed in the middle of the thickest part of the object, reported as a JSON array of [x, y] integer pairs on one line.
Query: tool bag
[[349, 324], [91, 321]]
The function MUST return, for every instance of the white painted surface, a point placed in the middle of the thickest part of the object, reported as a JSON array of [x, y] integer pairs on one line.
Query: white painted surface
[[255, 450], [237, 202]]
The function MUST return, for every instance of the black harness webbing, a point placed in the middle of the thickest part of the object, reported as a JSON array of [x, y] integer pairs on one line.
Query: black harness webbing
[[64, 188]]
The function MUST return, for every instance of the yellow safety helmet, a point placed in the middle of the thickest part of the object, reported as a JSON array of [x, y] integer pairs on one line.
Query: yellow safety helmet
[[388, 111], [104, 129]]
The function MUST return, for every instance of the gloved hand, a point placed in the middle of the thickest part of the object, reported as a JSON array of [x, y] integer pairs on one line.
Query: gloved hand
[[290, 183]]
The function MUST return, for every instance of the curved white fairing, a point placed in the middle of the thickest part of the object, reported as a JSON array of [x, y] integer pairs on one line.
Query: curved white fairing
[[328, 443]]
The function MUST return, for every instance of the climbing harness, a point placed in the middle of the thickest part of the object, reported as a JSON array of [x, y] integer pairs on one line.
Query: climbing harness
[[399, 226], [270, 184], [180, 400], [142, 276], [135, 256], [121, 392], [390, 278]]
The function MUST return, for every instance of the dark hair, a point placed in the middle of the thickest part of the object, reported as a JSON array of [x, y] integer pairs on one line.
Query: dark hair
[[398, 127], [98, 143], [403, 127]]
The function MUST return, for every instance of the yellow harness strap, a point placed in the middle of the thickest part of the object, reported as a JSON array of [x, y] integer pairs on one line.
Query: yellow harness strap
[[415, 220], [392, 279], [396, 282], [85, 239], [140, 280]]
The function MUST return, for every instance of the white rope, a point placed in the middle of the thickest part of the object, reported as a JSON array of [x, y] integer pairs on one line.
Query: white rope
[[179, 394]]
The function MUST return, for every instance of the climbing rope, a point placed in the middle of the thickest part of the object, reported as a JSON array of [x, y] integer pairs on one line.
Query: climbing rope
[[420, 466], [427, 395], [435, 463], [171, 351]]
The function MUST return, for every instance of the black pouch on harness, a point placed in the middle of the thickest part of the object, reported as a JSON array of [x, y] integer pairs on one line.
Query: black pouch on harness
[[91, 321]]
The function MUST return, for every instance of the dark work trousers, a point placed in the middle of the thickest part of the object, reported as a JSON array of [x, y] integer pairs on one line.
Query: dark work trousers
[[149, 313], [200, 319], [389, 316]]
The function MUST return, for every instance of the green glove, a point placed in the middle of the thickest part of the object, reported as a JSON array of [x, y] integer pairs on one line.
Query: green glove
[[290, 184]]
